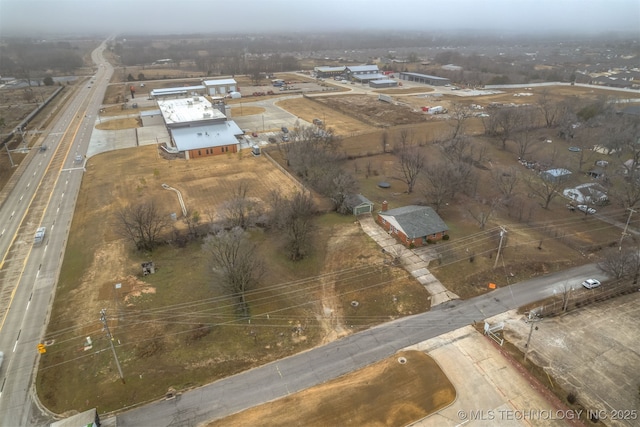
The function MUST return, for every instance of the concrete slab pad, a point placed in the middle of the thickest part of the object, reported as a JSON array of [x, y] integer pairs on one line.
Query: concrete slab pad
[[490, 391]]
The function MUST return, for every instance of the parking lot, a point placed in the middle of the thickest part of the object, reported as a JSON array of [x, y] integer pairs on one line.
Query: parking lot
[[593, 351]]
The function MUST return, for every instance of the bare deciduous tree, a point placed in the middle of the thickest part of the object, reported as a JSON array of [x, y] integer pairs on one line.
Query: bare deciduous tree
[[509, 120], [506, 181], [550, 109], [443, 180], [294, 216], [143, 224], [192, 221], [241, 211], [458, 149], [619, 264], [458, 115], [412, 159], [525, 143], [545, 188], [233, 257], [483, 213]]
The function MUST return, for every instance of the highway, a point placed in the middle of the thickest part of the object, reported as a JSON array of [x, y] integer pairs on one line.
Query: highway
[[43, 195]]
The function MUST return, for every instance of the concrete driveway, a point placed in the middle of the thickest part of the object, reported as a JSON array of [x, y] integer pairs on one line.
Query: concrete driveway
[[490, 391]]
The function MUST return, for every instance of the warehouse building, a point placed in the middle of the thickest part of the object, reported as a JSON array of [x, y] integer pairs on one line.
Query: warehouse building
[[382, 83], [325, 72], [220, 87], [177, 92], [424, 79]]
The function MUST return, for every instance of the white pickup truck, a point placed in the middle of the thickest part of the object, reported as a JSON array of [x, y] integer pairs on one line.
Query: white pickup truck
[[39, 237]]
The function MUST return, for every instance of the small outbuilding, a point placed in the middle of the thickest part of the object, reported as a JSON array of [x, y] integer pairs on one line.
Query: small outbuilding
[[556, 175], [358, 204]]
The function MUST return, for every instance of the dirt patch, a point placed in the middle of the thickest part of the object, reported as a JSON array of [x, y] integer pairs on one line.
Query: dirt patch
[[384, 394], [371, 111], [309, 109]]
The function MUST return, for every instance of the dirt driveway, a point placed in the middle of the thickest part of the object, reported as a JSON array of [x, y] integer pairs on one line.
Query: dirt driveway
[[593, 351]]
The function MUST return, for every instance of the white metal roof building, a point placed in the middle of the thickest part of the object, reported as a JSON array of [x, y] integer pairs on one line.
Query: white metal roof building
[[188, 111], [211, 136], [174, 92], [221, 86], [198, 128]]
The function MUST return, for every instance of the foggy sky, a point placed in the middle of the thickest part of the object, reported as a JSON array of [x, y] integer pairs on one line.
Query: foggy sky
[[40, 17]]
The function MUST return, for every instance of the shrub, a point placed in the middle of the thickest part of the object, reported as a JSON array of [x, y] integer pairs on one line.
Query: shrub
[[571, 398], [445, 237]]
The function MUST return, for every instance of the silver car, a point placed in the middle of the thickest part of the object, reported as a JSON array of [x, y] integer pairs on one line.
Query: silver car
[[586, 209], [591, 283]]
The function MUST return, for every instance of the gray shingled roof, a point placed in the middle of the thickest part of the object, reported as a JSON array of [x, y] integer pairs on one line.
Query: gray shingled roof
[[354, 200], [417, 221]]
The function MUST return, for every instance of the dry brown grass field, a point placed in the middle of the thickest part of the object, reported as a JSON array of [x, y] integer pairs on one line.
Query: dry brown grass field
[[387, 393], [208, 342]]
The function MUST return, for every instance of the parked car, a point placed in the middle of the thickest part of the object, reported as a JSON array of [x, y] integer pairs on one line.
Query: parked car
[[586, 209], [591, 283], [284, 129], [285, 138], [272, 140]]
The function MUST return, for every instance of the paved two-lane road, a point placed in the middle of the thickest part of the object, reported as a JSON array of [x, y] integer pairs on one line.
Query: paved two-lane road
[[321, 364]]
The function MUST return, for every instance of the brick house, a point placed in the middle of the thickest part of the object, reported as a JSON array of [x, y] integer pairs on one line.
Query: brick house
[[412, 225]]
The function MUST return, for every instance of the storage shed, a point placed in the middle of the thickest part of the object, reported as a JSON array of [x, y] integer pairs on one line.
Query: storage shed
[[358, 204]]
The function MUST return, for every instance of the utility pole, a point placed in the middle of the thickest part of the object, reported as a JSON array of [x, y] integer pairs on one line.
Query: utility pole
[[624, 232], [503, 232], [533, 319], [9, 153], [103, 318]]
